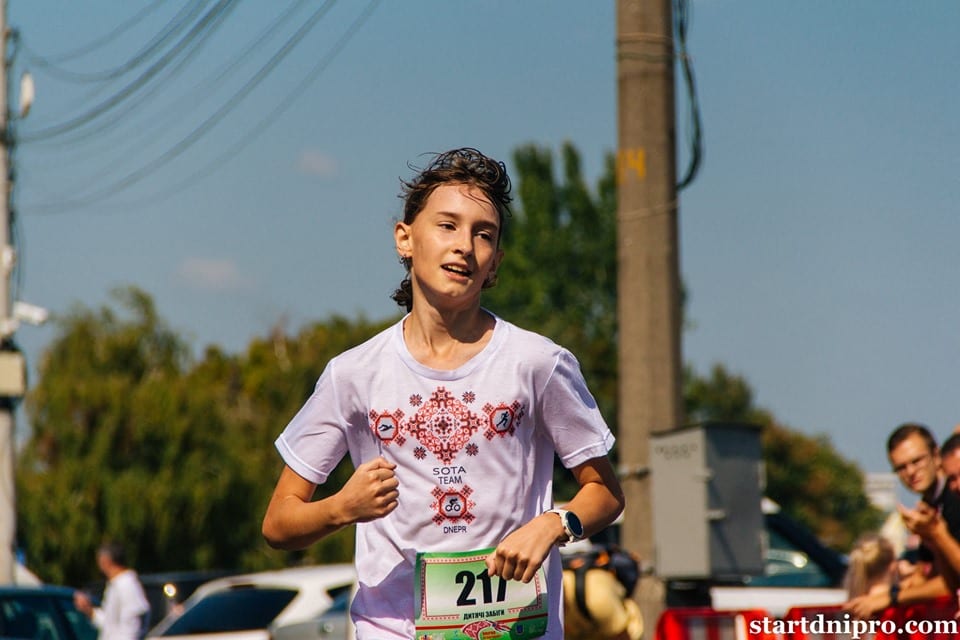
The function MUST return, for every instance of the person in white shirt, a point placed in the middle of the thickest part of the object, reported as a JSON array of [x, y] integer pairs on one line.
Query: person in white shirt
[[452, 418], [125, 612]]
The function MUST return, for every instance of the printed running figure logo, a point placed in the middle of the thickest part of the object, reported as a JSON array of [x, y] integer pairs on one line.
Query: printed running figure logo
[[502, 420], [444, 425], [386, 426], [453, 505]]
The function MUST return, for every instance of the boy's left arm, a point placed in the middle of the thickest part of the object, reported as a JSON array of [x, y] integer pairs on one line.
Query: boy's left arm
[[597, 504]]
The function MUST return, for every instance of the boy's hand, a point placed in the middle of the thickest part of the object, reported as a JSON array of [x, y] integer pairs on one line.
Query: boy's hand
[[371, 492], [520, 554]]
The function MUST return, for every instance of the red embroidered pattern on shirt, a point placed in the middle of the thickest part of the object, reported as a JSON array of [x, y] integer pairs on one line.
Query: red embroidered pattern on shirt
[[443, 425], [386, 427], [502, 420], [453, 505]]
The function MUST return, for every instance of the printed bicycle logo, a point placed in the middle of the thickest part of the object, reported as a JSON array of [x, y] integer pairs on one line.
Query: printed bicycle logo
[[452, 505]]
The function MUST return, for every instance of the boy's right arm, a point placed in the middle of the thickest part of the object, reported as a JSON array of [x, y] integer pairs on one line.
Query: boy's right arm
[[292, 521]]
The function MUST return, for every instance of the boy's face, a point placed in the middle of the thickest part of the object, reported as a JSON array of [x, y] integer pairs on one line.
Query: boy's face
[[453, 243], [915, 464]]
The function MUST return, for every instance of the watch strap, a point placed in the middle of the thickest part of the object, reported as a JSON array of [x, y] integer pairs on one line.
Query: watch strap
[[563, 522]]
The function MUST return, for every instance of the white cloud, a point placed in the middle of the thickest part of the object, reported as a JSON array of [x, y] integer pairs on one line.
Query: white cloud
[[211, 274], [315, 163]]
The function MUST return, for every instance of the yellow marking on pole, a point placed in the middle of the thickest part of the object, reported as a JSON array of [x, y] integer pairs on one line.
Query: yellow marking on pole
[[632, 160]]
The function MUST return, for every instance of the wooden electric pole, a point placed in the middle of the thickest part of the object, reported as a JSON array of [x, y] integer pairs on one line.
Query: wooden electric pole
[[8, 512], [648, 288]]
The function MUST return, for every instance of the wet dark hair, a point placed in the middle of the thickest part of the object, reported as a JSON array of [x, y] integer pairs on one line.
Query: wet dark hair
[[908, 429], [465, 166]]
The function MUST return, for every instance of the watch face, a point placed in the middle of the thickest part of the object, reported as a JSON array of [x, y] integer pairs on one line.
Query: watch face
[[576, 527]]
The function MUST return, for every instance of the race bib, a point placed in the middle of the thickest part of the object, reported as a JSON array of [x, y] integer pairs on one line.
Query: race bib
[[457, 600]]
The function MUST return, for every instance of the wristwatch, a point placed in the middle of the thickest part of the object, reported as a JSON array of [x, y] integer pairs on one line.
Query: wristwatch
[[894, 594], [571, 525]]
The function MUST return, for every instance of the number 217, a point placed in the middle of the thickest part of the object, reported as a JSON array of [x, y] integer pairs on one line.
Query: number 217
[[469, 581]]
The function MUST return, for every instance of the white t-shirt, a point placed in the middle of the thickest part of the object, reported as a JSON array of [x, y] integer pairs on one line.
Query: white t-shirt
[[125, 610], [474, 449]]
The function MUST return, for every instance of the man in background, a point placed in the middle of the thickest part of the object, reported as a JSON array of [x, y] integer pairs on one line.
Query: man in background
[[915, 458], [125, 612], [930, 523]]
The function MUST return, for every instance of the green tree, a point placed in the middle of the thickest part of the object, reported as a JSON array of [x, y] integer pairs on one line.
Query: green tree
[[277, 375], [805, 475], [133, 441], [559, 278], [559, 272], [90, 466]]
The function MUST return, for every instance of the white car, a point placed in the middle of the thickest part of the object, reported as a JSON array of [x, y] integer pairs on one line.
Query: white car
[[260, 606]]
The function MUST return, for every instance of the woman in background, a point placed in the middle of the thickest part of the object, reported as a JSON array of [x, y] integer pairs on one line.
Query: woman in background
[[871, 568]]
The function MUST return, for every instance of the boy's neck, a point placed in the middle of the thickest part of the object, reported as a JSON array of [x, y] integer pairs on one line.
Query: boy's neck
[[446, 340]]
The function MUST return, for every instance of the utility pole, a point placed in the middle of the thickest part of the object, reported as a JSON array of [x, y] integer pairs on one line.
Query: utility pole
[[12, 374], [8, 507], [648, 287]]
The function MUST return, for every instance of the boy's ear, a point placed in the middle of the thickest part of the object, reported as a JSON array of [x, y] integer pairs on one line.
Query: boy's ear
[[497, 260], [401, 236]]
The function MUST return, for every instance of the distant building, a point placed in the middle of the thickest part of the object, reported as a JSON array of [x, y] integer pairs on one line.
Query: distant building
[[881, 490]]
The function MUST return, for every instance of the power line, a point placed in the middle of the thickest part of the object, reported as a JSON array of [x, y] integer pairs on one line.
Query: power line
[[52, 61], [174, 26], [171, 112], [202, 29], [681, 12], [204, 127], [264, 123]]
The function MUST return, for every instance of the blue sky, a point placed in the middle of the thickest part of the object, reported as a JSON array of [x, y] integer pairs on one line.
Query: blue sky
[[818, 242]]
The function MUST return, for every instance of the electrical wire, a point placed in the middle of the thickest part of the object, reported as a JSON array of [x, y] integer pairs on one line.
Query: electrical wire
[[204, 127], [202, 29], [116, 32], [171, 112], [264, 123], [696, 141], [176, 25], [102, 80]]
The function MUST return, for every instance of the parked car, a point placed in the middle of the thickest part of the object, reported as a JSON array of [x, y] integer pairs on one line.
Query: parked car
[[165, 591], [799, 570], [334, 623], [287, 603], [42, 613]]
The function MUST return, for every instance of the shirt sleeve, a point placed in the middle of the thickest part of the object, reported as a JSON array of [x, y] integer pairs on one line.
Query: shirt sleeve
[[315, 441], [570, 414]]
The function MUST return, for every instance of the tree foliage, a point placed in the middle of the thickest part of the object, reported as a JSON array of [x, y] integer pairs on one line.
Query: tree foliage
[[804, 474], [135, 440], [132, 441], [559, 273], [559, 278]]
